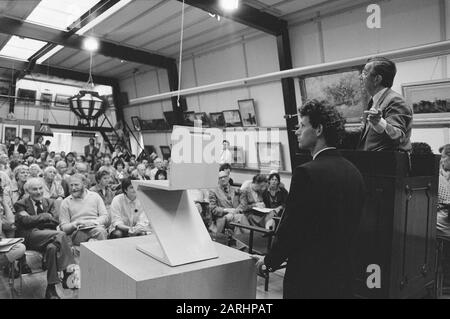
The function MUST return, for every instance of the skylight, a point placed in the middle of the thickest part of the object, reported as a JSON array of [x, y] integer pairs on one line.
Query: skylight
[[21, 48], [59, 14]]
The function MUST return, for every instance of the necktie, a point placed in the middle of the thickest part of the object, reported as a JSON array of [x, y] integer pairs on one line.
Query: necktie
[[39, 209], [369, 106]]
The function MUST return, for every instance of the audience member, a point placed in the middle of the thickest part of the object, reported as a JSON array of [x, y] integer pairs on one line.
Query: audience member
[[158, 166], [17, 147], [37, 225], [127, 214], [91, 149], [35, 171], [161, 175], [83, 214], [275, 196], [227, 169], [226, 156], [52, 188], [103, 179], [39, 147]]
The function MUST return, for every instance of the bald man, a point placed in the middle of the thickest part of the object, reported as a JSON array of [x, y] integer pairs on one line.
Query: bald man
[[36, 223]]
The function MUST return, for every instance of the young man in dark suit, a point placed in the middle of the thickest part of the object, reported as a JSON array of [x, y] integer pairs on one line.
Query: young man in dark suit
[[16, 147], [389, 119], [36, 222], [322, 213]]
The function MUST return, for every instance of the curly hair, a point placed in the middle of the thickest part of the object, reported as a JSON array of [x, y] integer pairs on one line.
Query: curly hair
[[420, 148], [322, 113]]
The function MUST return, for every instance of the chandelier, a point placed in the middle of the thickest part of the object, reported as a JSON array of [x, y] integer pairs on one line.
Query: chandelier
[[88, 105]]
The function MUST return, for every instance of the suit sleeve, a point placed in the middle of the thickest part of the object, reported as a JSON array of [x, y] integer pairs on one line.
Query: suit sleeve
[[24, 219], [299, 209], [398, 118]]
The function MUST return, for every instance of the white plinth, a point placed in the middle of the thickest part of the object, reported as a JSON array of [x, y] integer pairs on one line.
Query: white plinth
[[116, 269]]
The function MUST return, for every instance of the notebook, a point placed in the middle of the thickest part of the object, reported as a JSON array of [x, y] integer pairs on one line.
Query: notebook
[[7, 243]]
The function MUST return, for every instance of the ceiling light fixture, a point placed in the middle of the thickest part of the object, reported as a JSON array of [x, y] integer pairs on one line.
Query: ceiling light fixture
[[229, 5], [90, 44]]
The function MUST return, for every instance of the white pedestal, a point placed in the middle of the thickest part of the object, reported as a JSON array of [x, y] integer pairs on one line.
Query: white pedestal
[[115, 269]]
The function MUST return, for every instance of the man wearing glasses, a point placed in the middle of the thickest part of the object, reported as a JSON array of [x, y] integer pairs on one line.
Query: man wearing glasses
[[389, 120]]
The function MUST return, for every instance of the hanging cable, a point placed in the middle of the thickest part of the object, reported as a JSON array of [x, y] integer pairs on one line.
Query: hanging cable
[[181, 54]]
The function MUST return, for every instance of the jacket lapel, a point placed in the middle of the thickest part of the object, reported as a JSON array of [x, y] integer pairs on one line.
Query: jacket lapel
[[30, 205]]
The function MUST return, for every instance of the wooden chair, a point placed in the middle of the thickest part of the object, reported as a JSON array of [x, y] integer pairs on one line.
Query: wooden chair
[[258, 240]]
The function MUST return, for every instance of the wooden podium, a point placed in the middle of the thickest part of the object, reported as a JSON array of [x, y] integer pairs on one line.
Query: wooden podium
[[398, 226]]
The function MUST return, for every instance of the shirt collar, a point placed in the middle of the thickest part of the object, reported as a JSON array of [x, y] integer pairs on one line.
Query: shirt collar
[[323, 149], [377, 96]]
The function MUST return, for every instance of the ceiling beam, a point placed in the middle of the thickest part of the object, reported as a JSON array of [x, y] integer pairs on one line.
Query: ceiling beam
[[24, 29], [245, 14]]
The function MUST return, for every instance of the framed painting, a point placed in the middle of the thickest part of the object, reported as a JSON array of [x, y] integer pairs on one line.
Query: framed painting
[[26, 133], [62, 100], [428, 98], [238, 157], [165, 152], [201, 119], [247, 110], [9, 132], [26, 96], [217, 119], [189, 118], [269, 155], [342, 88], [136, 123], [46, 99], [232, 118]]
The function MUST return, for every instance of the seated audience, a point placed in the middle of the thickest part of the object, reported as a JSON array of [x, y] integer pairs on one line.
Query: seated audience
[[16, 191], [252, 197], [127, 214], [159, 165], [275, 196], [36, 224], [161, 175], [121, 173], [103, 179], [224, 205], [52, 188], [83, 214], [36, 171], [227, 169]]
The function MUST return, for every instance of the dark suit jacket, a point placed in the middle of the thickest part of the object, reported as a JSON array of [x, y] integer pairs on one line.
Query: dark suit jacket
[[38, 149], [397, 135], [25, 224], [87, 151], [317, 229], [22, 149]]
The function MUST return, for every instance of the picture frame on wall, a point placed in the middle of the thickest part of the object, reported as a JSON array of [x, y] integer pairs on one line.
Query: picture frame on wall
[[165, 152], [216, 119], [26, 133], [189, 118], [270, 155], [232, 118], [201, 119], [429, 99], [238, 157], [247, 110], [136, 123], [26, 96], [341, 87], [62, 100], [9, 132], [46, 99]]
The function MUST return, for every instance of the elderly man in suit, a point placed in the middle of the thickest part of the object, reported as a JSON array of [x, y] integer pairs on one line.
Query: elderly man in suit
[[36, 222], [322, 213], [389, 118], [91, 149]]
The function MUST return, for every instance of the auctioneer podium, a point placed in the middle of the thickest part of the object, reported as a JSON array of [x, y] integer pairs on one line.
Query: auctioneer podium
[[398, 223], [179, 260]]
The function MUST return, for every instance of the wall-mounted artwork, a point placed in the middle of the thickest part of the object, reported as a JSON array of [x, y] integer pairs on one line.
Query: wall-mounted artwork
[[232, 118], [188, 118], [9, 132], [238, 156], [269, 155], [217, 119], [26, 96], [136, 123], [428, 97], [341, 88], [247, 110], [46, 99], [62, 100], [26, 133], [201, 119]]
